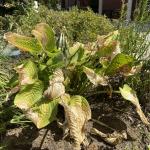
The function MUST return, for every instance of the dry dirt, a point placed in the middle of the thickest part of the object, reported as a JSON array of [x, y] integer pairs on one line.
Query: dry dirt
[[116, 115]]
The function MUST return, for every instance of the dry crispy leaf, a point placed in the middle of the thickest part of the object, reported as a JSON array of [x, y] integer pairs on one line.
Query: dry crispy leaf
[[56, 88], [134, 70], [90, 48], [27, 73], [130, 95], [116, 51], [77, 113], [108, 46], [113, 139], [94, 78]]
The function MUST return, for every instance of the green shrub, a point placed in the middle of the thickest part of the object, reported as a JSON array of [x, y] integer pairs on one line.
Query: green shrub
[[134, 41], [79, 25]]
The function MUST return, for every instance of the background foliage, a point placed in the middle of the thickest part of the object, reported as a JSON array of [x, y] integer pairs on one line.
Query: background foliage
[[79, 25]]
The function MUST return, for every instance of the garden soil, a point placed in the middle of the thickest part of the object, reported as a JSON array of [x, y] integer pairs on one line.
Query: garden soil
[[107, 116]]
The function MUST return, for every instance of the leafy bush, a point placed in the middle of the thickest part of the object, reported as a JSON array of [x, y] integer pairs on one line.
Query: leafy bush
[[62, 75], [79, 25], [135, 41]]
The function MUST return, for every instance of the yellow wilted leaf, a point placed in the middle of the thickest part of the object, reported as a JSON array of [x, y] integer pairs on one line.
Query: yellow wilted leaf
[[94, 78], [77, 113], [24, 43], [130, 95]]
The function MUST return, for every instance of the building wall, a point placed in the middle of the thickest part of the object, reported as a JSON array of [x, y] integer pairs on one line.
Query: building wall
[[111, 8]]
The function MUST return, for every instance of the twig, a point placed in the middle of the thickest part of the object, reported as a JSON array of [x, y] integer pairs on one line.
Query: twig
[[103, 124], [42, 141], [101, 92]]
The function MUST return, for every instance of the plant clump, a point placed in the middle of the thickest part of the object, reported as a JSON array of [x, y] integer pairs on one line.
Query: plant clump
[[58, 74]]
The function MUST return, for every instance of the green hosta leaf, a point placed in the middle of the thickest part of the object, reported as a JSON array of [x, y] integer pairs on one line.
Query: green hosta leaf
[[56, 88], [23, 43], [43, 113], [121, 63], [28, 73], [29, 95], [56, 61], [77, 57], [45, 35], [130, 95], [77, 112], [95, 78]]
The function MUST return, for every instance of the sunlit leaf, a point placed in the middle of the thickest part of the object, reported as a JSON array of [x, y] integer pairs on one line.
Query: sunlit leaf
[[43, 113], [130, 95], [78, 56], [28, 73], [95, 78], [75, 48], [29, 95], [77, 113], [118, 63], [46, 37], [112, 36], [56, 88], [24, 43]]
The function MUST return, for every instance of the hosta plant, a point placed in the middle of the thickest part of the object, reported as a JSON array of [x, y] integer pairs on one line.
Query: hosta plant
[[57, 74]]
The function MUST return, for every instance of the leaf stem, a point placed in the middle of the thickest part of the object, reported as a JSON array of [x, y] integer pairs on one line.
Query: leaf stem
[[101, 92]]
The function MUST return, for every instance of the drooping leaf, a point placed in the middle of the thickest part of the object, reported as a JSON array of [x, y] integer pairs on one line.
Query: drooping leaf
[[28, 73], [77, 113], [29, 95], [24, 43], [130, 95], [95, 78], [46, 37], [118, 63], [43, 113], [108, 46], [56, 88], [113, 138], [107, 50]]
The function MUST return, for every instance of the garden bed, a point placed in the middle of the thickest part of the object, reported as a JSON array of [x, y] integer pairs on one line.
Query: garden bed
[[114, 114]]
